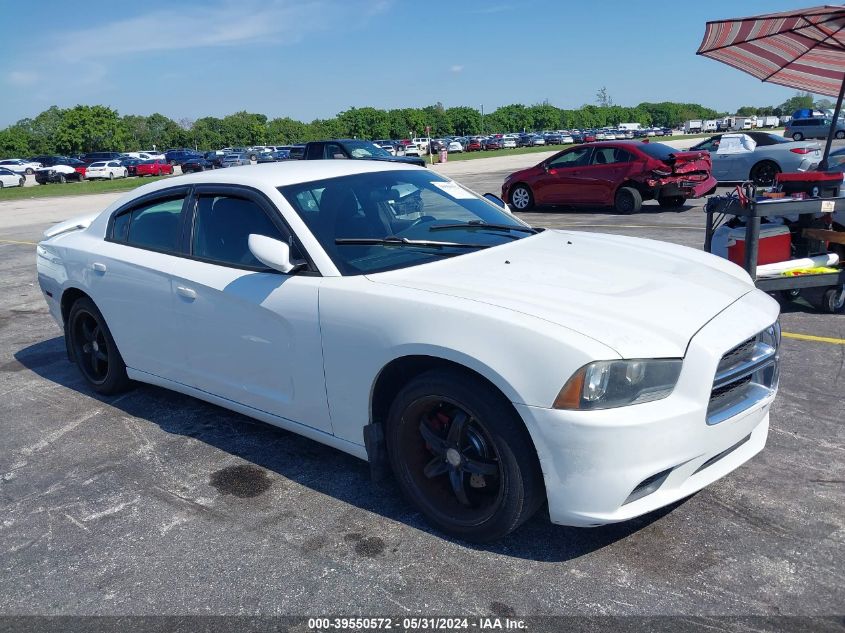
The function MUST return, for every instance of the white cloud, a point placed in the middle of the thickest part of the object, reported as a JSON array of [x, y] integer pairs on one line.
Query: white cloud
[[210, 25], [22, 78], [456, 68]]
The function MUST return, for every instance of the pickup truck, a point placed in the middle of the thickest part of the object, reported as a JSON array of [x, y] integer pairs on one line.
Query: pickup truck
[[354, 149]]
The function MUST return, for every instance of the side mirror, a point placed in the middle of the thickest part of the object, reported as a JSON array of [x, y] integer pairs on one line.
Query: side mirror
[[492, 197], [272, 253]]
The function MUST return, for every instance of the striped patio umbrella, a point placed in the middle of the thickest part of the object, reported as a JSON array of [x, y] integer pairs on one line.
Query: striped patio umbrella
[[802, 49]]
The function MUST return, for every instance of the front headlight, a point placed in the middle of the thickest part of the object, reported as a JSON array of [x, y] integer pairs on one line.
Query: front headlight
[[771, 336], [606, 384]]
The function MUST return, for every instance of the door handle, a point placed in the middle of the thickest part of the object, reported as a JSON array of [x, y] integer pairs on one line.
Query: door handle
[[186, 292], [97, 266]]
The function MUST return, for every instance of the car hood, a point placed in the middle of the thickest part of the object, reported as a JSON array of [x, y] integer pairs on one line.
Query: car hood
[[643, 298]]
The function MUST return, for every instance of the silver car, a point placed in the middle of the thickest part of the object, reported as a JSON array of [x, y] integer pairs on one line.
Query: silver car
[[772, 155], [233, 160], [817, 127]]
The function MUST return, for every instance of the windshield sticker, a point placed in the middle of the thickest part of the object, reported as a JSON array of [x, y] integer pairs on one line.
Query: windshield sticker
[[454, 190]]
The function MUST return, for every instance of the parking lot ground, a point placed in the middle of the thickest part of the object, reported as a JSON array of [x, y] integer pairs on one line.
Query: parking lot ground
[[156, 503]]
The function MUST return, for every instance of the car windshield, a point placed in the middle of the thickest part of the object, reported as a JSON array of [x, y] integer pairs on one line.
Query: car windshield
[[400, 204], [365, 149]]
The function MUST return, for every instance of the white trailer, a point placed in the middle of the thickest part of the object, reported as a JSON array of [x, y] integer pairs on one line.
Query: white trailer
[[771, 121], [710, 125], [692, 127]]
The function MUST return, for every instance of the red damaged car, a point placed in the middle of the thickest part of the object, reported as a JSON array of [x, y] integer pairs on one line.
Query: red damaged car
[[616, 174]]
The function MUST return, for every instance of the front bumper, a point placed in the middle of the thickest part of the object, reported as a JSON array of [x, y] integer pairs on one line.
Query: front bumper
[[593, 461]]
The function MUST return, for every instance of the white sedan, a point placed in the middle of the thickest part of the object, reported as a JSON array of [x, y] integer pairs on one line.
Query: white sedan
[[20, 166], [491, 365], [8, 178], [106, 169]]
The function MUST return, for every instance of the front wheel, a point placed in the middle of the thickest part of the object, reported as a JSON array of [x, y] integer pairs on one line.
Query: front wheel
[[840, 134], [111, 175], [462, 456], [521, 198], [628, 200], [94, 350], [62, 179], [764, 173], [29, 171]]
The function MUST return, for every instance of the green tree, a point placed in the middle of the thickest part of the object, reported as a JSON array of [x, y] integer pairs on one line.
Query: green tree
[[800, 101], [464, 120], [286, 130], [89, 129]]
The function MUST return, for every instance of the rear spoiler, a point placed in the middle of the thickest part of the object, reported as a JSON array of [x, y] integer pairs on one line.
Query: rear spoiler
[[76, 224]]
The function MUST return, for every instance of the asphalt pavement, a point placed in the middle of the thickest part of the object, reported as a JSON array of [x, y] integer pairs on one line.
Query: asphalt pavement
[[156, 503]]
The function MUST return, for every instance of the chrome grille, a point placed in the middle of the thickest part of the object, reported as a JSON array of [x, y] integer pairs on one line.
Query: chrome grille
[[746, 374]]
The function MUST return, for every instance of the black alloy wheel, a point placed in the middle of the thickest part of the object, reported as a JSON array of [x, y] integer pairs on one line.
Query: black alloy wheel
[[94, 349], [461, 457], [764, 173], [628, 200]]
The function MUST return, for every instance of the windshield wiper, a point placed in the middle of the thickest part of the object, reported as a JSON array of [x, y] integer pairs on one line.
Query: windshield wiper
[[395, 240], [481, 224]]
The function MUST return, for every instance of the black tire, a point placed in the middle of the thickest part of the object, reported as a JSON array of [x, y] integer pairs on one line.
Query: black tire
[[798, 136], [62, 178], [785, 297], [173, 163], [21, 182], [1, 184], [628, 200], [833, 300], [521, 197], [29, 171], [764, 173], [87, 334], [479, 480], [111, 175], [840, 134], [671, 202]]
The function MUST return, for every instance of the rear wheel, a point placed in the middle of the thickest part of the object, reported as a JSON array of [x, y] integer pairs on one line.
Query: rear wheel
[[840, 134], [521, 198], [462, 456], [62, 178], [764, 173], [94, 350], [798, 136], [671, 202], [628, 200], [29, 171], [111, 175]]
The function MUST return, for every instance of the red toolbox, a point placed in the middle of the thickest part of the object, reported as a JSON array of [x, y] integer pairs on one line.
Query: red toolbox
[[814, 184], [774, 245]]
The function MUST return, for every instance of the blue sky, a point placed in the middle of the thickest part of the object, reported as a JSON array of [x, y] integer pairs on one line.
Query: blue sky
[[309, 60]]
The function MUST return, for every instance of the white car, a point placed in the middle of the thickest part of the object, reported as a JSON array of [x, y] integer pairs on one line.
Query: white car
[[413, 150], [387, 311], [508, 142], [20, 166], [454, 147], [106, 169], [8, 178]]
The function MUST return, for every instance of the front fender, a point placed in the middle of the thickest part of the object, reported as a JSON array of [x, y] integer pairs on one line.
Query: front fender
[[367, 325]]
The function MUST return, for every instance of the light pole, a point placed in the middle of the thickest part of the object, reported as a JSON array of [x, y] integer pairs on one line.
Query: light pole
[[482, 118]]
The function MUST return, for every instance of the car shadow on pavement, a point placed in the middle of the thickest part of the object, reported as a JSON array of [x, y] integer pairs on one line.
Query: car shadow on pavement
[[311, 464]]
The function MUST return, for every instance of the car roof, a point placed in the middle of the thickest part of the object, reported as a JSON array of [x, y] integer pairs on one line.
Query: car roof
[[279, 174]]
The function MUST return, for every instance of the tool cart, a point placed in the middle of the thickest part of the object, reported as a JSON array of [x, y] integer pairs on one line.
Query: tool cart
[[824, 291]]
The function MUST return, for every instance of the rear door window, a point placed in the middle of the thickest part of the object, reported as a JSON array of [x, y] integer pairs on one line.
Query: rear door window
[[154, 225]]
